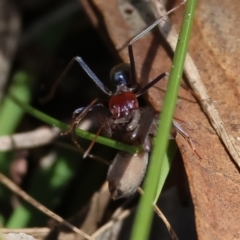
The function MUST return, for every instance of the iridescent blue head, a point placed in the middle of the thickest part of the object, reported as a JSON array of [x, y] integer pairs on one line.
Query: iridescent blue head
[[121, 75]]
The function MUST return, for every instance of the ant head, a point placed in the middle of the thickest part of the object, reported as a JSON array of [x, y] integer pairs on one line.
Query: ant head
[[121, 75]]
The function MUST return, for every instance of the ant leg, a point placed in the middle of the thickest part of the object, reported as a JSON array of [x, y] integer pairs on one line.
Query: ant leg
[[81, 109], [130, 50], [94, 140], [85, 67], [92, 75], [154, 24], [153, 82], [133, 79], [81, 112], [141, 34], [186, 136], [78, 115], [161, 76], [77, 112], [165, 74]]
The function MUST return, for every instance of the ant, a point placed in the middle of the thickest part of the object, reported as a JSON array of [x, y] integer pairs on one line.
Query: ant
[[127, 122]]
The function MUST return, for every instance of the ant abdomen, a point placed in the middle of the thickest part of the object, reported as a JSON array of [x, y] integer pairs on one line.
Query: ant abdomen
[[126, 173]]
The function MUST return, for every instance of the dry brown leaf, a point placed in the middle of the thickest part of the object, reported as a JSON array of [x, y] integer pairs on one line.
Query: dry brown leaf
[[214, 180]]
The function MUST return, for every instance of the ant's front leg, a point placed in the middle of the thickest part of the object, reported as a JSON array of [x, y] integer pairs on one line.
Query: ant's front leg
[[81, 109], [78, 115], [87, 70]]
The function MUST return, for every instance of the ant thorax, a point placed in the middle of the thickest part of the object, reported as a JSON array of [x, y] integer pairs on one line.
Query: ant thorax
[[134, 128]]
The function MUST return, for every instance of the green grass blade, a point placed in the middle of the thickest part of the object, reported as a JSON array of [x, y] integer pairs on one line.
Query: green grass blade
[[166, 165], [48, 185], [144, 214], [10, 116], [90, 136]]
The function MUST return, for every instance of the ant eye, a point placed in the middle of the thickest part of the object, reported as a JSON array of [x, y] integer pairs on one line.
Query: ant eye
[[120, 74]]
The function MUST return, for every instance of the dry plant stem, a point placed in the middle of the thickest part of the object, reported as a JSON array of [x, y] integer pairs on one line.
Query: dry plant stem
[[17, 236], [121, 214], [198, 87], [39, 137], [164, 219], [124, 214], [43, 230], [36, 138], [13, 187], [39, 233]]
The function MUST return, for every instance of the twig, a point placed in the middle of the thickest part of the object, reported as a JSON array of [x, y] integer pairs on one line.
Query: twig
[[124, 214], [32, 139], [164, 219], [39, 233], [121, 214], [13, 187]]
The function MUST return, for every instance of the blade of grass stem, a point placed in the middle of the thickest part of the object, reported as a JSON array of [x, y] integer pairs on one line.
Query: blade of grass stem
[[86, 135], [166, 165], [144, 214], [48, 185], [9, 112], [11, 115]]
